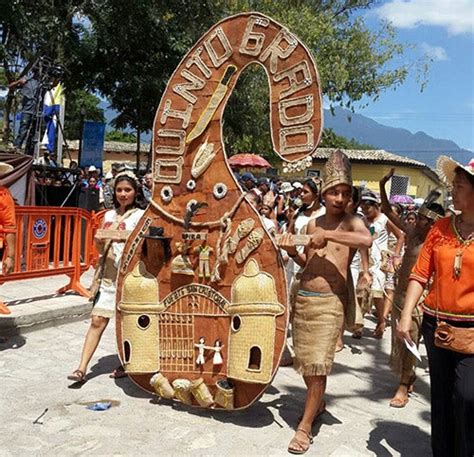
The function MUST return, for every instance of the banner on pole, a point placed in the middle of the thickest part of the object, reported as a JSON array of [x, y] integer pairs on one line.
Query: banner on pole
[[93, 136]]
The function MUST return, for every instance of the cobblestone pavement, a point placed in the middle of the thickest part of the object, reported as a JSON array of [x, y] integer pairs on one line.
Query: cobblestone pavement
[[33, 371]]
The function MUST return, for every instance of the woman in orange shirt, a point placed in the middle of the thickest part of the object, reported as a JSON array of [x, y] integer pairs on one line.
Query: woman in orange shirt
[[448, 257], [7, 230]]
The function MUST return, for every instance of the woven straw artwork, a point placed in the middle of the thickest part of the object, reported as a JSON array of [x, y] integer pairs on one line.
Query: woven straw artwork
[[201, 296]]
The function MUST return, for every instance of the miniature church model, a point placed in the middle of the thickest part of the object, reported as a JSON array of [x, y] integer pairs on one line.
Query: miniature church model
[[140, 308], [253, 309]]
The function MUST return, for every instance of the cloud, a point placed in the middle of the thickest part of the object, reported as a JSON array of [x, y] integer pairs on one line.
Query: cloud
[[326, 103], [436, 53], [455, 16]]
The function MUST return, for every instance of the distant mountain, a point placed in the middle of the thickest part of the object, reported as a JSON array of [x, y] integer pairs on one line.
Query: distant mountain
[[418, 146]]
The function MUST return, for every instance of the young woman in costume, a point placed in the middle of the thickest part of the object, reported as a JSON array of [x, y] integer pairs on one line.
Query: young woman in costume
[[124, 217], [447, 256], [310, 209]]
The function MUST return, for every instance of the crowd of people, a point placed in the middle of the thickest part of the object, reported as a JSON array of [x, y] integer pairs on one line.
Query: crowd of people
[[393, 274], [365, 255]]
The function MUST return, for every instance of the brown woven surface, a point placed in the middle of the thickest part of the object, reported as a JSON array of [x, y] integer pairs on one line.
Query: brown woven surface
[[173, 156]]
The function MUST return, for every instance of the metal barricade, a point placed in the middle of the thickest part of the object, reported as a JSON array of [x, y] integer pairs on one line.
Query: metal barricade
[[53, 241]]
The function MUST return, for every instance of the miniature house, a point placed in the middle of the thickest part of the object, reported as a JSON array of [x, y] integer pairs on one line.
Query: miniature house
[[140, 308], [253, 310]]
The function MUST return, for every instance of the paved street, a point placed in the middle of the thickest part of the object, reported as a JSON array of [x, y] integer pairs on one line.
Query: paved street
[[33, 371]]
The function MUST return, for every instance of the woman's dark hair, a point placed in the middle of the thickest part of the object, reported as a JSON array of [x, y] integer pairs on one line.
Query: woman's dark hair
[[469, 177], [314, 185], [139, 199], [356, 193]]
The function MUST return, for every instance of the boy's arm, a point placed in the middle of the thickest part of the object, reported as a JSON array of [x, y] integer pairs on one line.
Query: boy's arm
[[358, 237], [386, 208]]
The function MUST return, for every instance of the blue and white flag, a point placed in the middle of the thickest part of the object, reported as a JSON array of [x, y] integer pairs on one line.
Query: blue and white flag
[[53, 103]]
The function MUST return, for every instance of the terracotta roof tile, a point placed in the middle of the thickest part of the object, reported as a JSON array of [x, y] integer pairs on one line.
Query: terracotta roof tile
[[370, 155]]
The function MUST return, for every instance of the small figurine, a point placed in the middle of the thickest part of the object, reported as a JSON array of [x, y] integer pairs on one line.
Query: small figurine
[[201, 348], [181, 263], [204, 252], [217, 359]]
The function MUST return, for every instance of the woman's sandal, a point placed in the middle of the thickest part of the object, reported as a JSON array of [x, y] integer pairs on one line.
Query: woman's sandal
[[402, 402], [398, 402], [302, 447], [77, 376]]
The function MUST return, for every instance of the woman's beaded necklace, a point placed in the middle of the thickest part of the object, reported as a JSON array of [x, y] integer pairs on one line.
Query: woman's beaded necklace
[[465, 242]]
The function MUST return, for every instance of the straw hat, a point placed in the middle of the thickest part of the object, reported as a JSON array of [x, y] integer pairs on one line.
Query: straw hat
[[447, 167], [337, 170], [5, 168]]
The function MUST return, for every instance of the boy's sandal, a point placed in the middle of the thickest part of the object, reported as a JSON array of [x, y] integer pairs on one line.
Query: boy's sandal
[[302, 447], [77, 376], [398, 402]]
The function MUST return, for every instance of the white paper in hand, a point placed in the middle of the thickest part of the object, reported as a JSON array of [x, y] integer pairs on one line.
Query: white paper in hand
[[413, 349]]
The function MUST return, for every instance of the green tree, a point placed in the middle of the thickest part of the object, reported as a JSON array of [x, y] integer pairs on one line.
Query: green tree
[[127, 50], [32, 30], [81, 104], [120, 135], [352, 62], [242, 131], [134, 47]]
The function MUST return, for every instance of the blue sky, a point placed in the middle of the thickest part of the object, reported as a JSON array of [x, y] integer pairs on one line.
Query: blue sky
[[443, 30]]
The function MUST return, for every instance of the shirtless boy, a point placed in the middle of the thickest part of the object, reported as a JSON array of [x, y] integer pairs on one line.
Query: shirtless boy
[[401, 360], [319, 309]]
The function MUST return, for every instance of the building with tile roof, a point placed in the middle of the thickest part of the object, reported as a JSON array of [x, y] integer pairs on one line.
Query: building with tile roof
[[411, 177]]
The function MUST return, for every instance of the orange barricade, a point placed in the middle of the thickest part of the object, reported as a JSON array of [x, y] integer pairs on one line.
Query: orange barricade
[[53, 241], [97, 219]]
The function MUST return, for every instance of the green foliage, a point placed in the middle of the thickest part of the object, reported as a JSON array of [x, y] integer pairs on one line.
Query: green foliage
[[81, 103], [31, 30], [120, 135], [134, 47], [246, 117], [352, 62], [3, 78], [34, 29], [329, 139], [127, 50]]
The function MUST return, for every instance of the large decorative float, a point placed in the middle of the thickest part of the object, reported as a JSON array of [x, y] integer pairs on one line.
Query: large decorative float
[[202, 299]]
